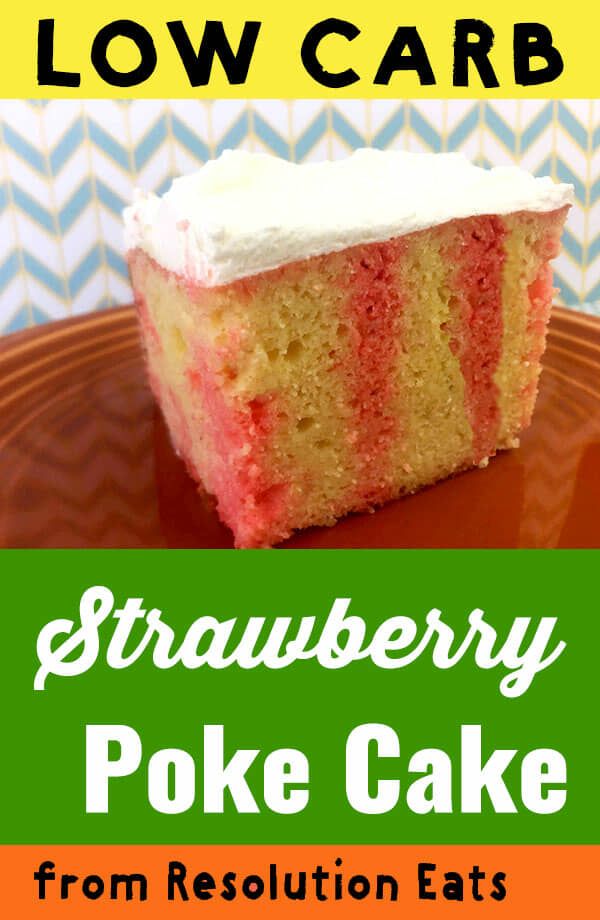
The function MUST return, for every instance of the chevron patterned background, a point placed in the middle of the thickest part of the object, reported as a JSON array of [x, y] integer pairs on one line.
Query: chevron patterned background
[[68, 168]]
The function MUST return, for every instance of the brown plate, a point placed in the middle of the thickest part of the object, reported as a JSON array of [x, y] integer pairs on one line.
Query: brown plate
[[85, 460]]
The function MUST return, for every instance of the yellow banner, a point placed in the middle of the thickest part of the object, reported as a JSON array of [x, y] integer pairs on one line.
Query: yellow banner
[[313, 49]]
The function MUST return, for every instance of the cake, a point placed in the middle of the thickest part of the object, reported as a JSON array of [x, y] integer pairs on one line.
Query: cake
[[324, 338]]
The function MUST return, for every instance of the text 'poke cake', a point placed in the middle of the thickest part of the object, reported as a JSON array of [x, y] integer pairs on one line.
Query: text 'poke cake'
[[326, 337]]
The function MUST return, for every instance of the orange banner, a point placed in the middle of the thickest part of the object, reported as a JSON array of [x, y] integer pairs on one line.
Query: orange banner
[[345, 881]]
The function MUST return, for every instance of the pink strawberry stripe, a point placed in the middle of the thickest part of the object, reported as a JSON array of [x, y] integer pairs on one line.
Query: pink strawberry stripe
[[241, 435], [373, 314], [478, 253]]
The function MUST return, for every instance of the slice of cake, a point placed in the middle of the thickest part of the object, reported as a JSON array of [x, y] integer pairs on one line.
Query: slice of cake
[[326, 337]]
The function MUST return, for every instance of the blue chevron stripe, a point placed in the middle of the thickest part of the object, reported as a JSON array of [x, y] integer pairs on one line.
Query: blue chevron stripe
[[189, 140], [497, 124], [109, 145], [150, 143], [109, 198], [592, 309], [33, 209], [342, 127], [67, 145], [425, 130], [3, 196], [270, 137], [103, 304], [463, 129], [76, 204], [9, 268], [37, 315], [24, 149], [545, 168], [116, 262], [572, 126], [20, 320], [566, 174], [536, 126], [392, 127], [84, 271], [595, 191], [569, 296], [594, 294], [164, 186], [43, 274], [594, 250], [311, 135], [235, 135], [572, 246]]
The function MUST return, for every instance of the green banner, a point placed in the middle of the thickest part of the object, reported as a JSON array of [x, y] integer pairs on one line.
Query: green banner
[[446, 672]]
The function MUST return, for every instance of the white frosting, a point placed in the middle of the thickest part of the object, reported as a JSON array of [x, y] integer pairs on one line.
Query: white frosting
[[245, 213]]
